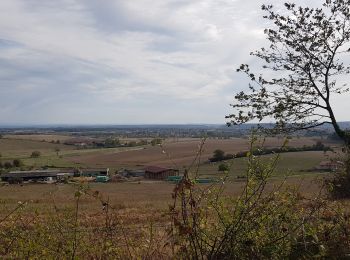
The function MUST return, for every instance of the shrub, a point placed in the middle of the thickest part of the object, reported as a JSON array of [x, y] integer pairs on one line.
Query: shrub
[[35, 154], [339, 185], [218, 155], [7, 165], [17, 163], [259, 224], [223, 167], [112, 143], [156, 141]]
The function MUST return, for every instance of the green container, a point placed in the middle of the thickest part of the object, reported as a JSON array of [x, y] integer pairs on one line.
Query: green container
[[174, 178], [102, 179]]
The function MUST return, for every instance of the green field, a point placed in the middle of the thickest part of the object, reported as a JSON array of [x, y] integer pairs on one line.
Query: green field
[[298, 163]]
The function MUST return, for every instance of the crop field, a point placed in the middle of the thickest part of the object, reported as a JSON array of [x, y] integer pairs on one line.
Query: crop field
[[174, 153], [178, 153]]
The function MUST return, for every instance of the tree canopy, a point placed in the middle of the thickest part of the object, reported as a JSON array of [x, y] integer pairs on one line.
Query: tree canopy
[[306, 67]]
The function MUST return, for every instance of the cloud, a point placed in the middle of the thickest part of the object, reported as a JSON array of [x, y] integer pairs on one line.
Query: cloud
[[142, 61]]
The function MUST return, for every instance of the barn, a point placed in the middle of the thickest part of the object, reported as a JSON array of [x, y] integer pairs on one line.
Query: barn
[[159, 173], [20, 176]]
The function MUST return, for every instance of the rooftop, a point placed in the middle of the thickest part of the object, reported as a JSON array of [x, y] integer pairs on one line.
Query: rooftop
[[157, 169]]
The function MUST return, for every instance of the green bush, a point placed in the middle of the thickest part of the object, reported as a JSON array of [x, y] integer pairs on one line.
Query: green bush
[[339, 184], [35, 154], [17, 163], [8, 165], [223, 167]]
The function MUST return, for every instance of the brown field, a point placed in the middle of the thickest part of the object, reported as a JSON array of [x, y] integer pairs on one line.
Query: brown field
[[137, 196], [177, 154]]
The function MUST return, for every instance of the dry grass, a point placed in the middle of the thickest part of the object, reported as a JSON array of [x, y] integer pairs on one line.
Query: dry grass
[[132, 197]]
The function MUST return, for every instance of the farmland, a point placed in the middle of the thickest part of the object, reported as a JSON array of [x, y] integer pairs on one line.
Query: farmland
[[135, 211], [176, 154], [179, 153]]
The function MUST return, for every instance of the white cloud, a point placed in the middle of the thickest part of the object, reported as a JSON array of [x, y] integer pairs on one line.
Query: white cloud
[[68, 57]]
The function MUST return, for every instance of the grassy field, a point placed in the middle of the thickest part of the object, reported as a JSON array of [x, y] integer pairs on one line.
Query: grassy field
[[15, 148], [300, 163]]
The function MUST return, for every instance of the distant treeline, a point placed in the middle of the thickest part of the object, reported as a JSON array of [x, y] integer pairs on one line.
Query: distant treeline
[[89, 143], [319, 146]]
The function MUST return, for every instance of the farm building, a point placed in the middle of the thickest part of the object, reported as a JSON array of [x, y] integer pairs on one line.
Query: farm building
[[93, 172], [131, 173], [159, 173], [20, 176]]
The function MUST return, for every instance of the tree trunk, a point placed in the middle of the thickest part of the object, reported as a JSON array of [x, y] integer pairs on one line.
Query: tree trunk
[[344, 135]]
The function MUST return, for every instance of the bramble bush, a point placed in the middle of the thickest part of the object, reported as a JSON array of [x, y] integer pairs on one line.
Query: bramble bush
[[339, 185], [274, 223]]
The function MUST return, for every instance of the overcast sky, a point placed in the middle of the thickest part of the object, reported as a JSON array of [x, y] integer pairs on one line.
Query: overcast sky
[[125, 61]]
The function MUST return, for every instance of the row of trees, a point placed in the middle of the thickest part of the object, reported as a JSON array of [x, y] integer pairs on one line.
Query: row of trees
[[220, 155], [16, 163], [115, 142]]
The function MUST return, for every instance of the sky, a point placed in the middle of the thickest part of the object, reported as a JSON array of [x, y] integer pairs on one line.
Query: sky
[[126, 61]]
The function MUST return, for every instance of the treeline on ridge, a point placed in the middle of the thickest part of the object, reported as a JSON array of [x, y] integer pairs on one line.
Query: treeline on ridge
[[220, 155]]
